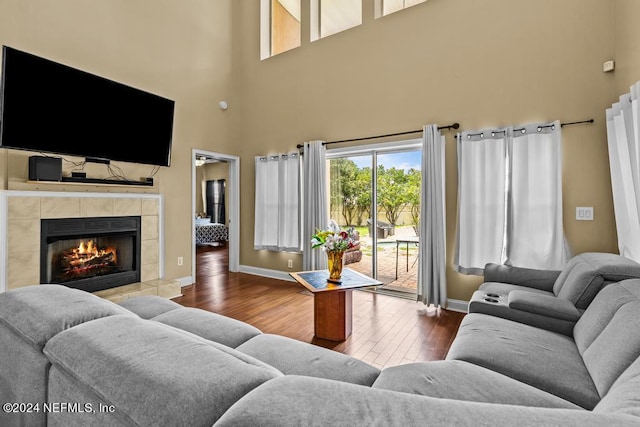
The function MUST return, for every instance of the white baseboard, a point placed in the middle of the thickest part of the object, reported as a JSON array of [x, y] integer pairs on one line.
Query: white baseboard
[[265, 272], [186, 281], [457, 305]]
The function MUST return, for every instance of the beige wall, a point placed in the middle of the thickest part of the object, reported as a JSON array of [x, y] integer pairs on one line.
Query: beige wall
[[483, 64], [626, 43], [488, 63], [180, 50]]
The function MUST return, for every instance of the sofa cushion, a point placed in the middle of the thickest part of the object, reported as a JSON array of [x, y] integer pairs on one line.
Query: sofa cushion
[[616, 348], [603, 308], [148, 306], [23, 378], [558, 308], [543, 359], [212, 326], [585, 275], [303, 401], [454, 379], [528, 278], [520, 306], [37, 313], [151, 373], [294, 357], [624, 394], [29, 317]]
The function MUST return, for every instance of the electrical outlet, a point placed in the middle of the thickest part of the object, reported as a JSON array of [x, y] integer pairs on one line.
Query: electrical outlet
[[290, 263], [180, 260], [584, 213]]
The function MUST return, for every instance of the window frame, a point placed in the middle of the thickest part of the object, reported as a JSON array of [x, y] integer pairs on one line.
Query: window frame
[[379, 8], [266, 30], [315, 21]]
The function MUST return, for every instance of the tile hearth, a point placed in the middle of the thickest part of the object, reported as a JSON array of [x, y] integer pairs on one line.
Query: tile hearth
[[163, 288]]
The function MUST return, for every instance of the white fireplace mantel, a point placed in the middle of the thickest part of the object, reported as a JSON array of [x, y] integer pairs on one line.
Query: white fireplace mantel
[[21, 212]]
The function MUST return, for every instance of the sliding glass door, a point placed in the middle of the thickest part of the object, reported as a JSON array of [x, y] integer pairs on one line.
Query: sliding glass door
[[375, 189]]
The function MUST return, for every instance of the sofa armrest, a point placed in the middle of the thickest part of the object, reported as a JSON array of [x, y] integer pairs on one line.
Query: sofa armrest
[[544, 305], [528, 277]]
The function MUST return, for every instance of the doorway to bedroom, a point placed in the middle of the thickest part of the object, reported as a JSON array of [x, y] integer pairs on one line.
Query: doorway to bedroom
[[215, 195]]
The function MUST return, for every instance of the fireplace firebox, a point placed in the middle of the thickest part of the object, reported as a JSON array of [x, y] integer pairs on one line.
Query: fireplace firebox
[[91, 254]]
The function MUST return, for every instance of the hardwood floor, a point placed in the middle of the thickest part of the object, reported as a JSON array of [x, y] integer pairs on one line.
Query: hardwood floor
[[387, 330]]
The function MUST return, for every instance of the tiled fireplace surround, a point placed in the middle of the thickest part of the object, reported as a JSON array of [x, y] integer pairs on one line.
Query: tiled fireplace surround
[[20, 215]]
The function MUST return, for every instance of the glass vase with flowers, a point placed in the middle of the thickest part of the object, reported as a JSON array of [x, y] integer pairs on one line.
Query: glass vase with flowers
[[334, 242]]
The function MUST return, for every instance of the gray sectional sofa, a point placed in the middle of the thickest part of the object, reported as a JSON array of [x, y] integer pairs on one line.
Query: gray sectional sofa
[[148, 361], [548, 299]]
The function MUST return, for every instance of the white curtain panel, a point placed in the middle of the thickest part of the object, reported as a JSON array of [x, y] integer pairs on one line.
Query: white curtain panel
[[277, 224], [432, 281], [315, 204], [510, 198], [289, 225], [266, 203], [623, 122], [535, 233], [482, 167]]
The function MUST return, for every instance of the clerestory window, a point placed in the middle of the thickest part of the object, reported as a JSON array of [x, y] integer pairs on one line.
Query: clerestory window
[[333, 16], [280, 26], [280, 20]]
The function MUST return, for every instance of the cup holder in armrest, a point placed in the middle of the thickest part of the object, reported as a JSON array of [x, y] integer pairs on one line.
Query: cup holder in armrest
[[494, 296], [493, 300]]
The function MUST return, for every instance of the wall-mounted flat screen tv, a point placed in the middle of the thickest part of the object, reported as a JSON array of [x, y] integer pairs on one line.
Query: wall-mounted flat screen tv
[[53, 108]]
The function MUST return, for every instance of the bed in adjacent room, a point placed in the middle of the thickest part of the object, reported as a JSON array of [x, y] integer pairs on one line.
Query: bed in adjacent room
[[211, 233]]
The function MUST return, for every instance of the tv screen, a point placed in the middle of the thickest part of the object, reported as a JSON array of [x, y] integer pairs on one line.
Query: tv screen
[[53, 108]]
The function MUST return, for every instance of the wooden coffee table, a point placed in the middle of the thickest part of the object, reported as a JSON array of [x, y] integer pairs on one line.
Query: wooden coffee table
[[333, 302]]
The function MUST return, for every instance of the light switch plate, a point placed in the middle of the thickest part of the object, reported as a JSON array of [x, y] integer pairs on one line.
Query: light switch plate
[[608, 66]]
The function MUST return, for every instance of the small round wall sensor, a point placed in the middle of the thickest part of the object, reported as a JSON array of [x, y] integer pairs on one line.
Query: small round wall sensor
[[223, 105]]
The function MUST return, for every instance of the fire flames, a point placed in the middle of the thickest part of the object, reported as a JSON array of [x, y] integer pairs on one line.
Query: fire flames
[[88, 256]]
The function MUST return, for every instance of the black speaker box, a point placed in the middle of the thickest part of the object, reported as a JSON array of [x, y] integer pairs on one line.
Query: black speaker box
[[45, 168]]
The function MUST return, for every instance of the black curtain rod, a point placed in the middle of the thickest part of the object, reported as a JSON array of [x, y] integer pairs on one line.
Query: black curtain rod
[[576, 123], [539, 128], [561, 125], [452, 126]]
